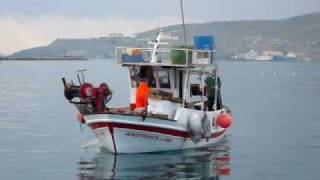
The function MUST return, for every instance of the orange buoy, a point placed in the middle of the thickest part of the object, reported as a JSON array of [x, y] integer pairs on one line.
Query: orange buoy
[[224, 120]]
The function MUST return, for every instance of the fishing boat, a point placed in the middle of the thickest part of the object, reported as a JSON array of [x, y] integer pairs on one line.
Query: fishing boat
[[169, 106], [177, 115]]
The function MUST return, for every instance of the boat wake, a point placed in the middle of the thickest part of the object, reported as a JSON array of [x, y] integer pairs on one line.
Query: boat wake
[[90, 144]]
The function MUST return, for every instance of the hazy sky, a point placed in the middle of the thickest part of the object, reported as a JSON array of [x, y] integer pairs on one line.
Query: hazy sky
[[29, 23]]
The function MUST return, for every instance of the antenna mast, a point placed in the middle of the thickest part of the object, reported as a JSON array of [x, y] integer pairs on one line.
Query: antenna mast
[[183, 24], [186, 86]]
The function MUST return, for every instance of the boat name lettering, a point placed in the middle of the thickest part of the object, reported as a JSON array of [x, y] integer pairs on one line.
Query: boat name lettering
[[148, 136]]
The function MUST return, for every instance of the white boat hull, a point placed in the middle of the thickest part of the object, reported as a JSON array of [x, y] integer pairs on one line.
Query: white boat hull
[[129, 134]]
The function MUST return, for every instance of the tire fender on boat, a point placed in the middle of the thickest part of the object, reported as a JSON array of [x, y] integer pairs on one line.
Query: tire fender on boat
[[195, 126]]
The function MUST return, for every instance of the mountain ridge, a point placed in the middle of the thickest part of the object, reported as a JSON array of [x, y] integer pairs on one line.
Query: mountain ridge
[[298, 34]]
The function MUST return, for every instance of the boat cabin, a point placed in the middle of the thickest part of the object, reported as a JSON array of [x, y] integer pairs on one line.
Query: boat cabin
[[175, 76]]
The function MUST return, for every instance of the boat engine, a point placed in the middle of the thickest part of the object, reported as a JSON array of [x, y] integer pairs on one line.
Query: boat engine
[[91, 99]]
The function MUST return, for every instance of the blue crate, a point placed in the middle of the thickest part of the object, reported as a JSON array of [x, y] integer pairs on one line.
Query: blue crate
[[204, 42], [127, 58]]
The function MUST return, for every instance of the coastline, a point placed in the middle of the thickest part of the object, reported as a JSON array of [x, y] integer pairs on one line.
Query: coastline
[[46, 59]]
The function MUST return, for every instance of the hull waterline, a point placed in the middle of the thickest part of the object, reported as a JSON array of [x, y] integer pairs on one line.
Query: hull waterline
[[132, 136]]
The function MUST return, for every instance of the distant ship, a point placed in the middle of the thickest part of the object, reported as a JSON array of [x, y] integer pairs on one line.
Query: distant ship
[[265, 56], [253, 56], [288, 57]]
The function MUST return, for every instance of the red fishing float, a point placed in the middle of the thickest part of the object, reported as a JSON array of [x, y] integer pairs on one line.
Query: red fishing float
[[224, 120]]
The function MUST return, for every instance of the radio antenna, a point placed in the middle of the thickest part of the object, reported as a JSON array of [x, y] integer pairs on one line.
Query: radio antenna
[[183, 24]]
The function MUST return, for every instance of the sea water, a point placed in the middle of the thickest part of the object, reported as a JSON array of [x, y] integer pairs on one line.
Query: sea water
[[275, 132]]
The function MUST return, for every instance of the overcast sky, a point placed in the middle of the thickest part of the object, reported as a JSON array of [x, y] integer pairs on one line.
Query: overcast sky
[[29, 23]]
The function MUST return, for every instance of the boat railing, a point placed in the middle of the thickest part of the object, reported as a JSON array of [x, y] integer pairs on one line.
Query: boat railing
[[179, 57]]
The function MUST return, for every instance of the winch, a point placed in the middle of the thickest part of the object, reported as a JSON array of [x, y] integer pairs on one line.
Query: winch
[[88, 99]]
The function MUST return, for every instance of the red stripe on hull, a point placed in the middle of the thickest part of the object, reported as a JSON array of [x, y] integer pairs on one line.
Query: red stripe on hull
[[217, 134], [172, 132], [113, 141]]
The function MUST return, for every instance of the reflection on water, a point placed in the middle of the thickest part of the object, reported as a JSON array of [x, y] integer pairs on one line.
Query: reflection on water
[[209, 163], [275, 132]]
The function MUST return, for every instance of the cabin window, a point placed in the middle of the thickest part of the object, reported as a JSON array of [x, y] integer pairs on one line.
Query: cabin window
[[144, 72], [164, 80], [202, 55]]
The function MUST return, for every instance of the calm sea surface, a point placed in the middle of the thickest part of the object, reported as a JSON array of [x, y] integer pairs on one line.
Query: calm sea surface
[[275, 133]]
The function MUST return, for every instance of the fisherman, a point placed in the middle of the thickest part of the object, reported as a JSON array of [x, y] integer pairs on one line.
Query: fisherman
[[142, 91], [212, 89]]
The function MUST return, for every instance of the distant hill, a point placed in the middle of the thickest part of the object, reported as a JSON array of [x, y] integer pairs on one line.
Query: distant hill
[[299, 35], [91, 48]]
